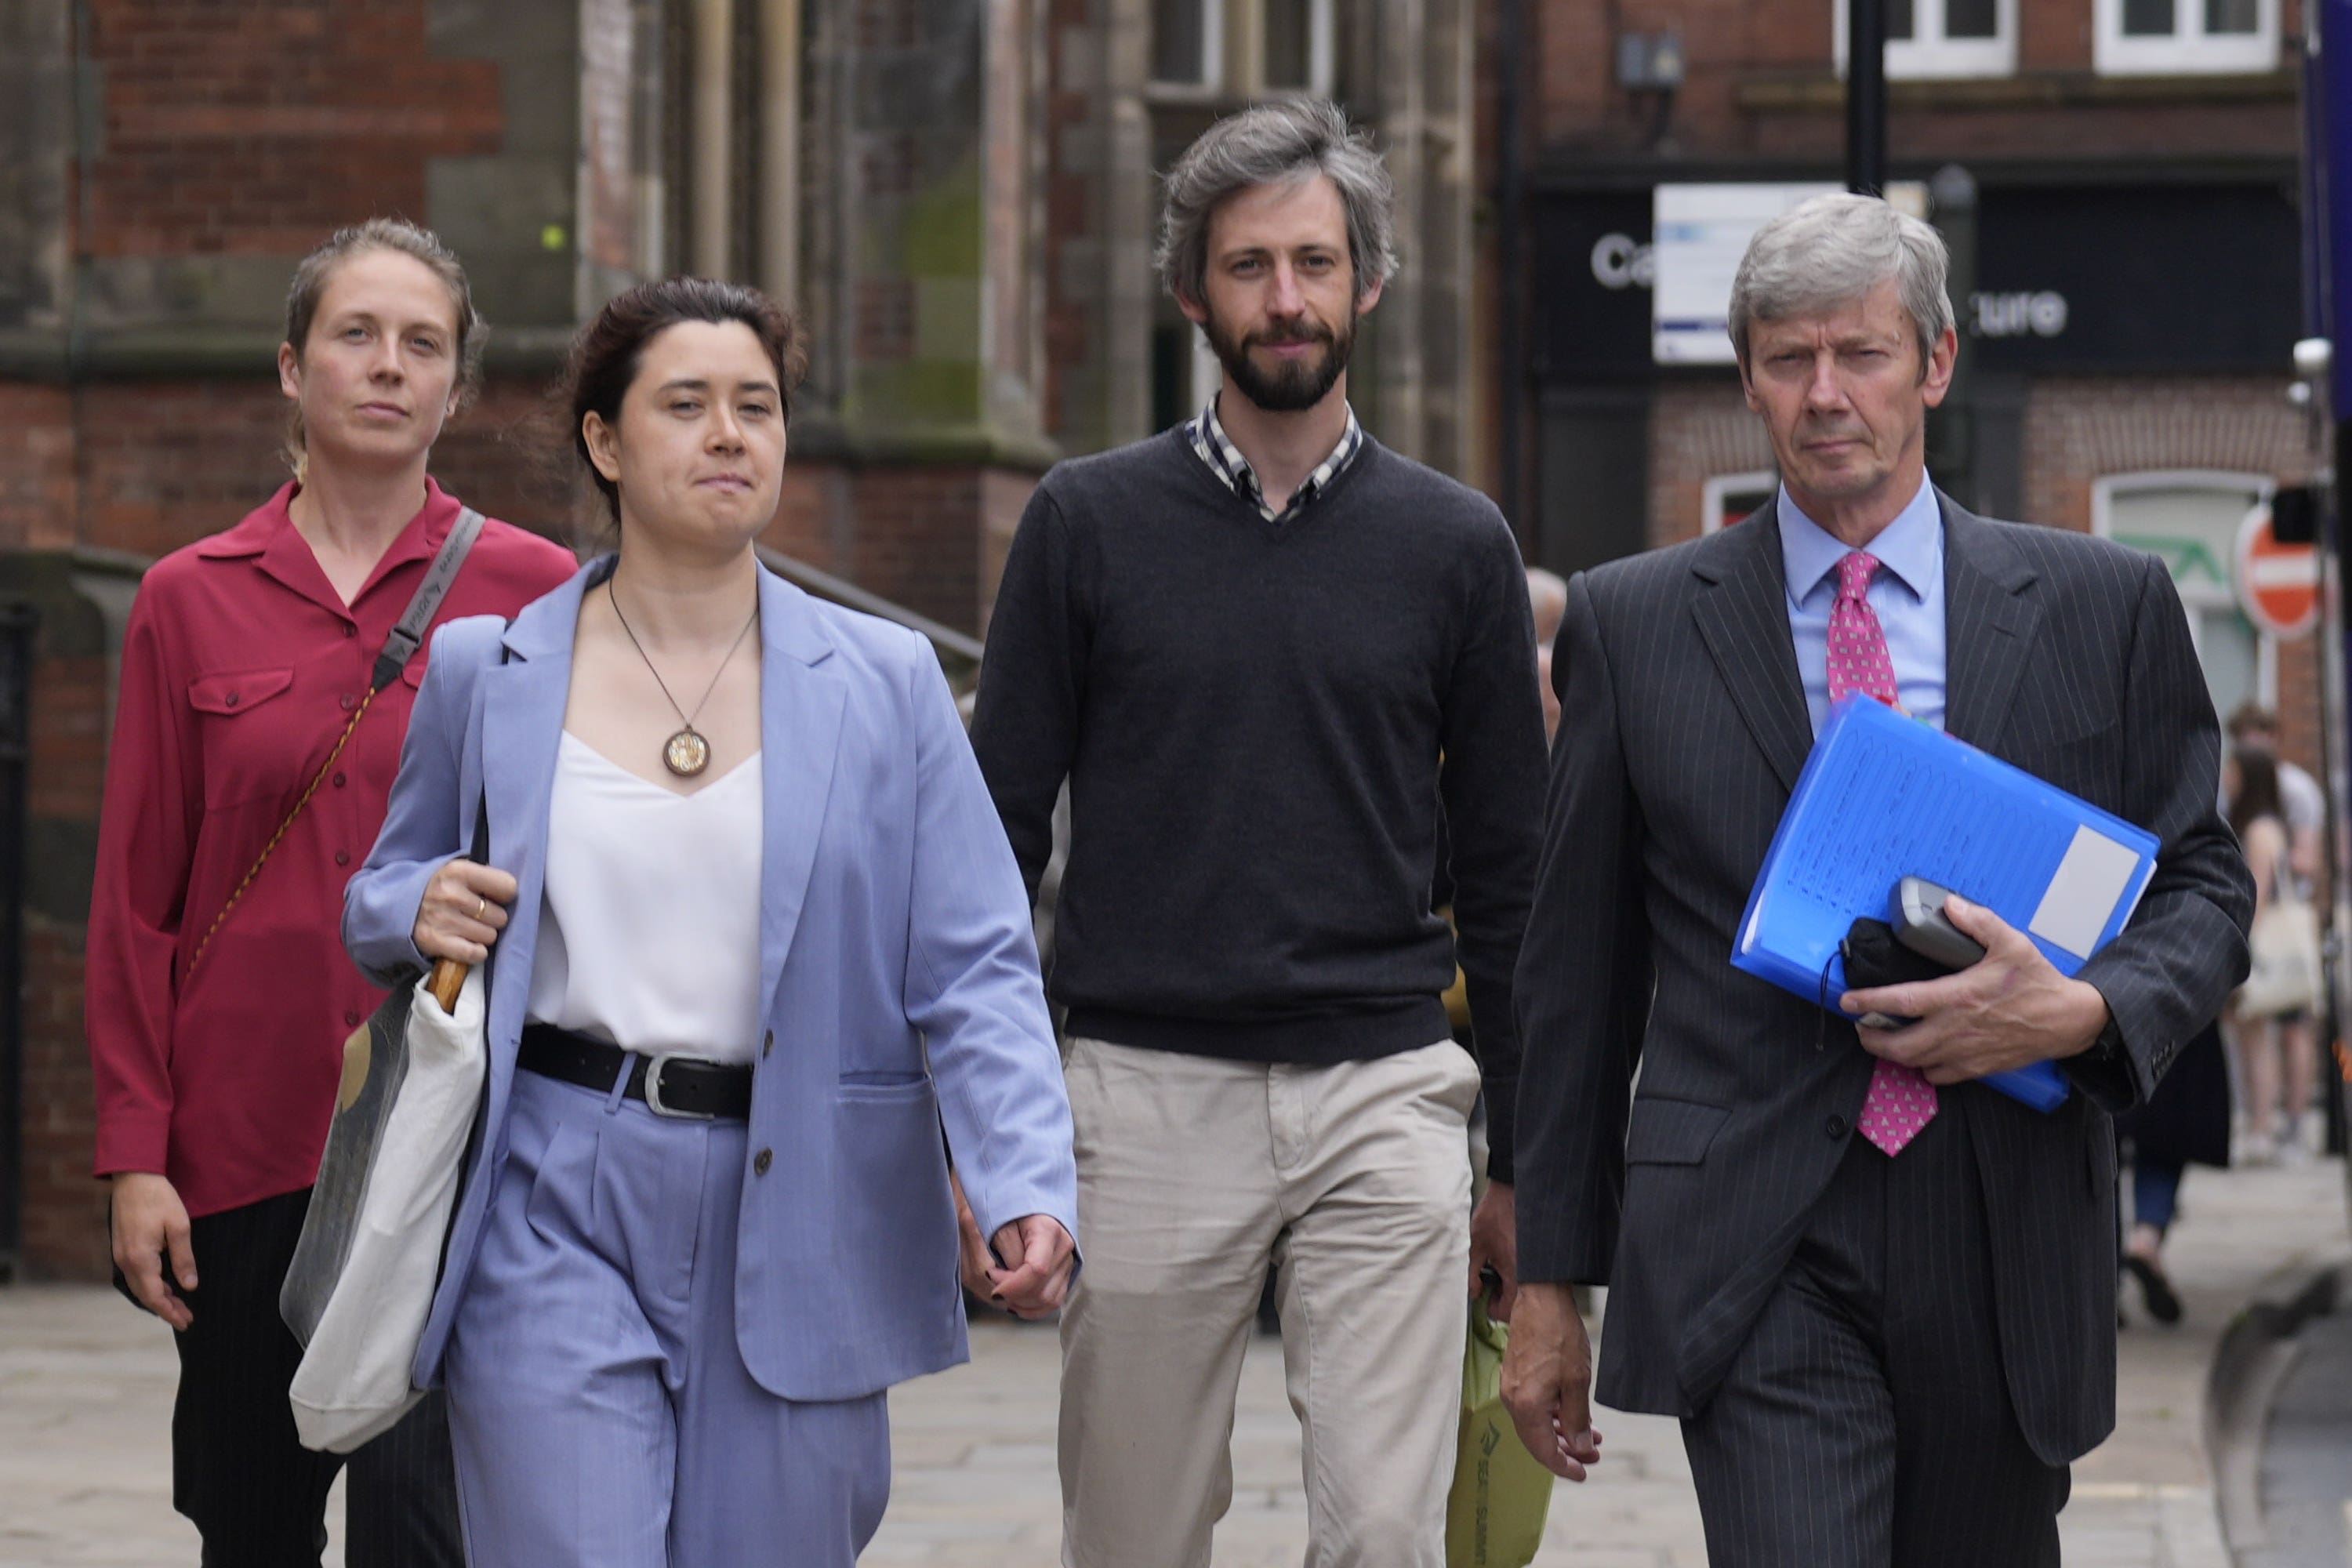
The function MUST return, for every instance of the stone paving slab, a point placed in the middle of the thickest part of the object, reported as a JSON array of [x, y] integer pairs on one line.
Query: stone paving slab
[[86, 1389]]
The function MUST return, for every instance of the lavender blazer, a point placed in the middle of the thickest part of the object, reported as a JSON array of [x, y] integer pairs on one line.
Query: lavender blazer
[[898, 974]]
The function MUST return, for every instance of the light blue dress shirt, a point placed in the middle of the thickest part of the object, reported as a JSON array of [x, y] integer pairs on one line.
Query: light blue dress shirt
[[1907, 596]]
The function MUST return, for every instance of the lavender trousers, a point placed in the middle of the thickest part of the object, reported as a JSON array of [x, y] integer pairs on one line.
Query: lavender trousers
[[600, 1410]]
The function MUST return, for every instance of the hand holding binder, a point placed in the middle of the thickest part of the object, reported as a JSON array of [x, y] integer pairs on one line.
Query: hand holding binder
[[2001, 1018], [1882, 797]]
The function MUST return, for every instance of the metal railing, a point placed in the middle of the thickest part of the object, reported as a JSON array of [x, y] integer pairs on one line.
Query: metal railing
[[959, 653]]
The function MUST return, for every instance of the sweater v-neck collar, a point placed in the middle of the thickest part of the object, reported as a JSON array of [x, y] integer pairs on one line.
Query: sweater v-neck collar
[[1181, 437]]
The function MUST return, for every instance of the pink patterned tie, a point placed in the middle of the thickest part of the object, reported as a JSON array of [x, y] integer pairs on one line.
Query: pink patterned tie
[[1901, 1100]]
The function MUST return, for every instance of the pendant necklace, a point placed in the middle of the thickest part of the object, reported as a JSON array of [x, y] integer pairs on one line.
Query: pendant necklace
[[687, 752]]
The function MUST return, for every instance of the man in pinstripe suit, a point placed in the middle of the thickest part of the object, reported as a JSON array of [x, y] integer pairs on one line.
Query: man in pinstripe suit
[[1880, 1296]]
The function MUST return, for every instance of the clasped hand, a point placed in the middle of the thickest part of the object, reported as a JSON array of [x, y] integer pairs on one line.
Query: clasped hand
[[2008, 1010], [1025, 1269]]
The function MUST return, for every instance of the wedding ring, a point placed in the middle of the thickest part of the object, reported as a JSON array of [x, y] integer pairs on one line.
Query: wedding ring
[[481, 906]]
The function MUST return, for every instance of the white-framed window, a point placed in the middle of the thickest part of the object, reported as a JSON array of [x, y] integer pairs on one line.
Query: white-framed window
[[1188, 43], [2189, 519], [1283, 46], [2169, 37], [1297, 46], [1727, 497], [1927, 38]]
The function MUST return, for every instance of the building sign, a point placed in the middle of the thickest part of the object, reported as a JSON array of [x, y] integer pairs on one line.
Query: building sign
[[2041, 314], [2146, 277], [2069, 279], [1701, 231], [1591, 298], [1621, 261]]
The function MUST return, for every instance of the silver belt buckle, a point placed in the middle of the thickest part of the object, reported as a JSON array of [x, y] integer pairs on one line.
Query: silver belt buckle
[[653, 1091]]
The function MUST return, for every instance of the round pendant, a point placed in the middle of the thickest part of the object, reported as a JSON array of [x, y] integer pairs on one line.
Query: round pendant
[[686, 754]]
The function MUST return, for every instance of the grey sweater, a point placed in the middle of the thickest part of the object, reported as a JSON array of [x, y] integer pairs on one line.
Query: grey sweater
[[1259, 724]]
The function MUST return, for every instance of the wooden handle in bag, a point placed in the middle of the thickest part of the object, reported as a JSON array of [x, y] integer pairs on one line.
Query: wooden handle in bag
[[449, 978]]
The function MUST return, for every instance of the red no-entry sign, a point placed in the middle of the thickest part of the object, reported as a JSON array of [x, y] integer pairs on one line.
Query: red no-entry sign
[[2278, 585]]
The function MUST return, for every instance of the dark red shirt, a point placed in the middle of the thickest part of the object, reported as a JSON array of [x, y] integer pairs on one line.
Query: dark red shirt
[[240, 668]]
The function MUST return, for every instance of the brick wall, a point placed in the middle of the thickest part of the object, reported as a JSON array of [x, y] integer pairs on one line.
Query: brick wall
[[252, 127], [1698, 431], [37, 468], [2298, 704], [2079, 430], [927, 537], [1926, 127], [64, 1207]]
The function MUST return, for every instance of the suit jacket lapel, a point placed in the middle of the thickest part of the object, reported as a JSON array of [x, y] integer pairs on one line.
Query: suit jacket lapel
[[1743, 617], [801, 705], [1990, 623]]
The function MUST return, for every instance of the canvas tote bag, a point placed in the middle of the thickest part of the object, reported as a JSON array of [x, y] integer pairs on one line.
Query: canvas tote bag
[[408, 1116]]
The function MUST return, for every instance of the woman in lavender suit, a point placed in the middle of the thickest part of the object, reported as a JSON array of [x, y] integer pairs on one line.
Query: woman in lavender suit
[[758, 935]]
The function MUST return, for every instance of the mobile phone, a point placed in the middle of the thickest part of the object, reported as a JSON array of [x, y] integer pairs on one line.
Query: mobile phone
[[1920, 924]]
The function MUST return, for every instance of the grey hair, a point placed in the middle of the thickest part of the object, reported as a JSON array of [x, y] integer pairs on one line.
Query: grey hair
[[1286, 142], [1832, 249]]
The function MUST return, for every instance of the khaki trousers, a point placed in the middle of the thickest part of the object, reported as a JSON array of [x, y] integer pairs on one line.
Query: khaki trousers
[[1194, 1174]]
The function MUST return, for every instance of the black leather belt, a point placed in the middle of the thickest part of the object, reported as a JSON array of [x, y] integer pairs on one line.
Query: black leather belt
[[687, 1086]]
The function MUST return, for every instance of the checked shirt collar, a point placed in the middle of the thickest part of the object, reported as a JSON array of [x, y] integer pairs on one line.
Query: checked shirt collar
[[1224, 459]]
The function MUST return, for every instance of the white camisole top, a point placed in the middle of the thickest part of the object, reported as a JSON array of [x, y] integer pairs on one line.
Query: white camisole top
[[649, 921]]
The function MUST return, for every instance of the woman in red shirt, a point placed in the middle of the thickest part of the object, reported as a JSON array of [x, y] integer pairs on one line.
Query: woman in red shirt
[[218, 997]]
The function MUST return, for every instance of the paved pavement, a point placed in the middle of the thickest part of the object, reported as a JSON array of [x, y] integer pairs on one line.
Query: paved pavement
[[2304, 1474], [86, 1385]]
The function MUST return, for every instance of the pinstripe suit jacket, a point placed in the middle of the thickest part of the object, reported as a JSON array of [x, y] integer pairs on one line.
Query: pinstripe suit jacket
[[1684, 728]]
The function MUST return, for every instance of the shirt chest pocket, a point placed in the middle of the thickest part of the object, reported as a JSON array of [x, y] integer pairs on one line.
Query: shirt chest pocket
[[249, 745]]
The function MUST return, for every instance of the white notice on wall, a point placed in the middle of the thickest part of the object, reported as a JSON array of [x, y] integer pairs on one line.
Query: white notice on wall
[[1700, 234]]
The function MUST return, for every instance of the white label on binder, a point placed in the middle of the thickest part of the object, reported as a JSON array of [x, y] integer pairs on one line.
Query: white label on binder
[[2081, 896]]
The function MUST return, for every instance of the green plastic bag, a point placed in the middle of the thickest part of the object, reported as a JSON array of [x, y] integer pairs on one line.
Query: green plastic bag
[[1494, 1514]]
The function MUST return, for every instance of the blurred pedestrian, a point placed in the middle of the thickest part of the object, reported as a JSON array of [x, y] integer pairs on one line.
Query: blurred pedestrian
[[2276, 1059], [1880, 1296], [2185, 1122], [1548, 595], [707, 1222], [2291, 1036], [219, 999], [2303, 804], [1247, 643]]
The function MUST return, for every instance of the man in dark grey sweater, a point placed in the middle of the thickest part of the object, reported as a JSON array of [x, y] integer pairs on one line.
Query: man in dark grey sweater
[[1265, 652]]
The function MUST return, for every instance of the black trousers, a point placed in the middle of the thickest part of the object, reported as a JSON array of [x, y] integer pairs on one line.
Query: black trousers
[[257, 1497], [1867, 1422]]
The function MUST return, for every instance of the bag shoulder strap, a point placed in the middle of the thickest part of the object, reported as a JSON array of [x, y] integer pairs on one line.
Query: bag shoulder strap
[[408, 633], [399, 646]]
